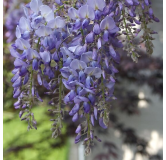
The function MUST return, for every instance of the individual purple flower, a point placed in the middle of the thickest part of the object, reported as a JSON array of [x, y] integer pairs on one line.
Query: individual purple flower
[[58, 22], [46, 12], [73, 13], [35, 5], [86, 12], [43, 31], [22, 44], [109, 24], [96, 4]]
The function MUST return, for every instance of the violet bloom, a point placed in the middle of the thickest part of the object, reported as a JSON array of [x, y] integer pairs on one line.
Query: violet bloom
[[35, 5], [98, 6], [73, 13], [108, 24], [86, 13]]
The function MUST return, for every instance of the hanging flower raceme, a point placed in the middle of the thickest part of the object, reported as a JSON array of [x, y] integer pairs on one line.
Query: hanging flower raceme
[[79, 41]]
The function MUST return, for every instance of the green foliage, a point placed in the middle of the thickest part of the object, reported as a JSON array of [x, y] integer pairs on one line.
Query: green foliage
[[20, 144]]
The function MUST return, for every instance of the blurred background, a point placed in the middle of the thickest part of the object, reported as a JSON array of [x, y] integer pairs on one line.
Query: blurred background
[[136, 120]]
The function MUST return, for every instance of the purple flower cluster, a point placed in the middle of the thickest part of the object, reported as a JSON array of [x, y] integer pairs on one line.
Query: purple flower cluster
[[38, 34], [81, 41]]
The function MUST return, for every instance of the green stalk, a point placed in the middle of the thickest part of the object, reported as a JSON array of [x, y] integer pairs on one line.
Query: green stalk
[[31, 98], [60, 92], [82, 35], [37, 46], [128, 37], [102, 83]]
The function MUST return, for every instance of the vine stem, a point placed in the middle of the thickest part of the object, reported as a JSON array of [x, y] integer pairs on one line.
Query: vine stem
[[128, 37], [123, 13], [31, 102], [60, 91]]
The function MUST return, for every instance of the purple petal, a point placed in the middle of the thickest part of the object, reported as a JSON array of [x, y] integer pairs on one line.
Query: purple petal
[[146, 2], [23, 71], [65, 71], [14, 53], [46, 57], [93, 71], [79, 99], [99, 43], [85, 91], [101, 123], [105, 36], [86, 107], [35, 65], [95, 112], [91, 99], [94, 55], [130, 2], [92, 119], [96, 29], [17, 93], [74, 110], [150, 11], [19, 63], [58, 22], [97, 4], [22, 44], [85, 23], [73, 13], [15, 77], [30, 54], [17, 103], [47, 12], [86, 12], [38, 97], [112, 51], [24, 24], [17, 83], [26, 78], [91, 135], [34, 5], [43, 31], [77, 138], [87, 57], [72, 95], [76, 64], [78, 130], [136, 2], [75, 117], [18, 32], [39, 79], [107, 23], [90, 37], [110, 85], [65, 51]]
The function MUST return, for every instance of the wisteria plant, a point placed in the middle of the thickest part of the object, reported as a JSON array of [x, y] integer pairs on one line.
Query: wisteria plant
[[71, 48]]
